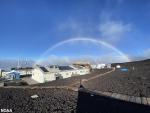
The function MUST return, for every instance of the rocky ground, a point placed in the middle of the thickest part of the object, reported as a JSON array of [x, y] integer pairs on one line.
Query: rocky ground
[[48, 101], [134, 82]]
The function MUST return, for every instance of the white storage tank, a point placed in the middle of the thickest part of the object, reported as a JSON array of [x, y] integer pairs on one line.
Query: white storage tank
[[118, 66]]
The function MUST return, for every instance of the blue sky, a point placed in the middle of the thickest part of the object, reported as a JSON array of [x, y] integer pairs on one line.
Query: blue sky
[[29, 27]]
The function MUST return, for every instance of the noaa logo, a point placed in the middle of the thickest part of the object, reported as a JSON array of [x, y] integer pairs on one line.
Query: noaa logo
[[6, 110]]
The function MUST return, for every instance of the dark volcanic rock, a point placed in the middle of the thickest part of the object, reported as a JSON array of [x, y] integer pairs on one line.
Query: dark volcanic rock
[[48, 101], [135, 82]]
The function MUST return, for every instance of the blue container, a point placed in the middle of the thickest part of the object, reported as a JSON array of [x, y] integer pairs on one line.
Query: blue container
[[14, 75], [17, 76], [124, 69]]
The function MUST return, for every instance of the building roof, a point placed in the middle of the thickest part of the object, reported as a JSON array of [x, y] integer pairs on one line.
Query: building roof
[[65, 68], [43, 69], [22, 68], [53, 66], [81, 63]]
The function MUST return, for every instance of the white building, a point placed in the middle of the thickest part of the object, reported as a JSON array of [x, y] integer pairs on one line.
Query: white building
[[108, 65], [49, 73], [101, 66], [24, 70], [4, 73], [41, 74], [98, 66], [93, 66], [12, 75], [0, 72], [118, 66]]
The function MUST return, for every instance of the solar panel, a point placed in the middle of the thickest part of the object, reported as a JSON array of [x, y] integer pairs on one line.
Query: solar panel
[[44, 69], [65, 68], [53, 66]]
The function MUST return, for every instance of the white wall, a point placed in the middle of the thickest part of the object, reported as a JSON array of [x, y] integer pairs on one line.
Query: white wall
[[38, 75], [24, 72], [0, 72], [98, 66], [49, 77], [83, 71], [118, 66], [70, 73], [66, 74], [41, 77], [93, 66], [4, 74], [52, 70]]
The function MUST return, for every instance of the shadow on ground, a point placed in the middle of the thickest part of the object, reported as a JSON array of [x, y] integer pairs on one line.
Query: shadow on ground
[[89, 102]]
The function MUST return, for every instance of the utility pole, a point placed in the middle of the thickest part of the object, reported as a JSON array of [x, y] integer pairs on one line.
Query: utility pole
[[26, 66], [0, 73], [18, 65]]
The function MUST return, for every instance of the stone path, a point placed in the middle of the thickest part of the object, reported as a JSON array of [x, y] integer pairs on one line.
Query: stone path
[[91, 78]]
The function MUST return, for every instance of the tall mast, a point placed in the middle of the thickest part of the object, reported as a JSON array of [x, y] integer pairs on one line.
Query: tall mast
[[18, 65], [26, 66]]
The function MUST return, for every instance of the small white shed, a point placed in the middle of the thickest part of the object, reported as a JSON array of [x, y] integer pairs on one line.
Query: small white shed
[[118, 66]]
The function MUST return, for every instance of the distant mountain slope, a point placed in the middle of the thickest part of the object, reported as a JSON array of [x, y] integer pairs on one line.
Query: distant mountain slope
[[142, 64]]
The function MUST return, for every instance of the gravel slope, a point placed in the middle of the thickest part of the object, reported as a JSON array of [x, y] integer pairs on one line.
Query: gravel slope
[[49, 100], [134, 82]]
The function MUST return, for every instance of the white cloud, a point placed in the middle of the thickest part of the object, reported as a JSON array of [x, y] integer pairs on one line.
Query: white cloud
[[113, 31], [69, 24], [146, 53], [76, 27], [53, 59]]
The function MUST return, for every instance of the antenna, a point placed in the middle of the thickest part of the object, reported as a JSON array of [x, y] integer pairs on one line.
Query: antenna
[[26, 62], [26, 66], [18, 65]]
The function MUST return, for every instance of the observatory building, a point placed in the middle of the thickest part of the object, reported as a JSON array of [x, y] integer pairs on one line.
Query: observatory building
[[43, 74]]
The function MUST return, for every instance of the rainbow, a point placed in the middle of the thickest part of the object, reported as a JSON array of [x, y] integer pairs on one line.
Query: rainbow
[[78, 39]]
